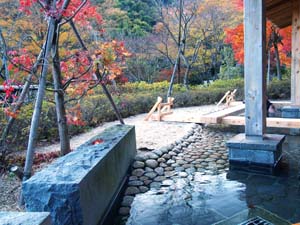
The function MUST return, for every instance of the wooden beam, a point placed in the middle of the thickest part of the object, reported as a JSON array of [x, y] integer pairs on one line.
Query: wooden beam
[[216, 117], [295, 81], [271, 122], [211, 118], [279, 12], [222, 99], [255, 64], [159, 100]]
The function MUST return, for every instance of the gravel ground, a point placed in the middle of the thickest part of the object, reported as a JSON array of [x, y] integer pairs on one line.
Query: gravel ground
[[149, 135]]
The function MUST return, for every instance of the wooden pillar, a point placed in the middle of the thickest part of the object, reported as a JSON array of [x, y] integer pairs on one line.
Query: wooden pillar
[[295, 81], [255, 64]]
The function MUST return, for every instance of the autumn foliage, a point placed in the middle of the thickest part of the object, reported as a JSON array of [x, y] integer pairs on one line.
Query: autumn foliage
[[77, 65], [235, 37]]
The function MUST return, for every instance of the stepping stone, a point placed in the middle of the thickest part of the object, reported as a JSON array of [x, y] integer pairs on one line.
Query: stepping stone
[[138, 172], [160, 160], [190, 170], [147, 182], [170, 161], [169, 168], [159, 171], [152, 155], [142, 178], [124, 211], [163, 165], [133, 178], [141, 157], [143, 189], [170, 173], [166, 156], [151, 163], [159, 178], [132, 191], [182, 174], [151, 175], [138, 164], [155, 185], [148, 169], [167, 183], [179, 169], [164, 149], [127, 201], [135, 183]]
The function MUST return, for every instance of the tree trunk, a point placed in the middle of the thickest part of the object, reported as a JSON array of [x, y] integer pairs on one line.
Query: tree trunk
[[268, 69], [21, 99], [169, 94], [11, 120], [59, 98], [4, 57], [179, 40], [38, 105], [277, 62], [106, 91], [108, 95], [185, 81]]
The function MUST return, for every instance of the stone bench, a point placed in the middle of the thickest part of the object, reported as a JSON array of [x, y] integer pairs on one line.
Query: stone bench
[[80, 187]]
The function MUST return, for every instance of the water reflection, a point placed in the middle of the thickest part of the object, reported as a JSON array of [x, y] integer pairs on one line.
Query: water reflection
[[203, 200], [206, 199]]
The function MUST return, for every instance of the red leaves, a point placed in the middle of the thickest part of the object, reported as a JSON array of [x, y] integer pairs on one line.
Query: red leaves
[[25, 5], [83, 17], [239, 4], [83, 14], [8, 89], [9, 98], [97, 141], [235, 37], [44, 157], [20, 58], [39, 158]]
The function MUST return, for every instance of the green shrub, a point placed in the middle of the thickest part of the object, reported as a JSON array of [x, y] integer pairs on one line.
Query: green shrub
[[132, 99], [279, 89]]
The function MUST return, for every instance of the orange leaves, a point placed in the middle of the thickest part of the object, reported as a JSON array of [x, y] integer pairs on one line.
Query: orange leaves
[[74, 116], [109, 58], [11, 113], [159, 27], [235, 37]]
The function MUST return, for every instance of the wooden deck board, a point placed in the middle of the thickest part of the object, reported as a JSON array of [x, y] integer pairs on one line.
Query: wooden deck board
[[225, 116], [271, 121], [216, 117]]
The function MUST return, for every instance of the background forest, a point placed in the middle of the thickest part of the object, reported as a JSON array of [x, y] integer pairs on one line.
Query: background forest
[[140, 45]]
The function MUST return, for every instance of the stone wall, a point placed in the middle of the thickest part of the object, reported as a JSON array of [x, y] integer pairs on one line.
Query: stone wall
[[79, 187]]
